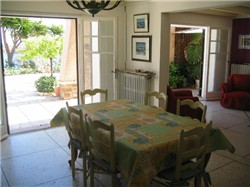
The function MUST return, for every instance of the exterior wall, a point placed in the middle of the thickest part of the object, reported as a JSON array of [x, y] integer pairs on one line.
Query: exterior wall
[[68, 90]]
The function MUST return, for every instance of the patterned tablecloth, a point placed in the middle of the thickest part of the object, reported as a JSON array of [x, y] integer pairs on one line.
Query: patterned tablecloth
[[146, 137]]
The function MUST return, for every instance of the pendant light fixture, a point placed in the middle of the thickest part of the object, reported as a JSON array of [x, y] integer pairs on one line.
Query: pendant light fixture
[[93, 6]]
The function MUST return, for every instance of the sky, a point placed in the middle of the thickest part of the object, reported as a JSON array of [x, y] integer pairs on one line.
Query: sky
[[50, 21]]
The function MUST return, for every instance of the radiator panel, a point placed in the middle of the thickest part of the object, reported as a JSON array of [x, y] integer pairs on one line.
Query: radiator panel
[[240, 68], [133, 86]]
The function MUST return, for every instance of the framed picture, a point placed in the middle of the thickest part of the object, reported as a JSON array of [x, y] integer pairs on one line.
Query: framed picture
[[141, 23], [244, 41], [141, 48]]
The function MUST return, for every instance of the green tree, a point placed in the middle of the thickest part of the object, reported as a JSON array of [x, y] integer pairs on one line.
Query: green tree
[[193, 51], [19, 29], [47, 47], [193, 54]]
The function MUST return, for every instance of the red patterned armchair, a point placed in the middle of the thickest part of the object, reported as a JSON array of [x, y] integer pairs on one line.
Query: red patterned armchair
[[174, 95], [235, 93]]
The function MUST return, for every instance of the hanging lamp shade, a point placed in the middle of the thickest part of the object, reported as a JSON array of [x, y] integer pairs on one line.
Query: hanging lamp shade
[[93, 6]]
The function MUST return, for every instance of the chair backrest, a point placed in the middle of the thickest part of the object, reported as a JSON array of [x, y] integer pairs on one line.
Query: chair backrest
[[194, 105], [101, 141], [75, 126], [159, 95], [92, 93], [193, 146]]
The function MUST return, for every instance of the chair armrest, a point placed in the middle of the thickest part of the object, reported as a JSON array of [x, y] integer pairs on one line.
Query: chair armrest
[[194, 98], [181, 93], [226, 87]]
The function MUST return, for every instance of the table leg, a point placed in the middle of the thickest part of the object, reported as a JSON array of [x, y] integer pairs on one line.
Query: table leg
[[197, 181]]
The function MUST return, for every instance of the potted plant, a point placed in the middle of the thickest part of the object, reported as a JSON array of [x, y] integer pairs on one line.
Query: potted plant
[[193, 55], [183, 67], [175, 76], [57, 89], [194, 74]]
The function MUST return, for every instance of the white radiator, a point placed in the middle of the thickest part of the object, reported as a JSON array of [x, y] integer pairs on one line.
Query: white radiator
[[240, 68], [133, 85]]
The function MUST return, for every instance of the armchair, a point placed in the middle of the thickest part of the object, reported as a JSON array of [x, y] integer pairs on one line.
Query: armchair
[[235, 93], [174, 95]]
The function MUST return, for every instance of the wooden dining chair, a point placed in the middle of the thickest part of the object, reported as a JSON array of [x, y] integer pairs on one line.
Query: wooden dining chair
[[93, 92], [101, 139], [199, 109], [78, 139], [159, 95], [190, 159]]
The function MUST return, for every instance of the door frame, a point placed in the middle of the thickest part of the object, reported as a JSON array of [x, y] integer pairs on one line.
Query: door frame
[[204, 53], [4, 127]]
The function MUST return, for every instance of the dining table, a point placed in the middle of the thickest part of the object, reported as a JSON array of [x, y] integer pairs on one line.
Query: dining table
[[146, 137]]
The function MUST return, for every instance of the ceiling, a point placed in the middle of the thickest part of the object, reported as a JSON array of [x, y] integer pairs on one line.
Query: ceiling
[[237, 11]]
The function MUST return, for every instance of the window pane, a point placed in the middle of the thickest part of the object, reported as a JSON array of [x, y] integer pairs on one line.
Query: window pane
[[106, 45], [94, 28], [106, 28], [95, 44]]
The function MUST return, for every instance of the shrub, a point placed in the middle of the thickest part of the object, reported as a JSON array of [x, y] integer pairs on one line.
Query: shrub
[[45, 84], [18, 71], [175, 77]]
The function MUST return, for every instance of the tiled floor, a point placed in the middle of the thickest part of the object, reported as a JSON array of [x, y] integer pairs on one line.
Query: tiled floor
[[40, 158]]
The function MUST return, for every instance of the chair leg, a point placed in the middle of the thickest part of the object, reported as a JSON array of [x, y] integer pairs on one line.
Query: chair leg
[[206, 179], [84, 171], [113, 180], [73, 158], [197, 181], [92, 174]]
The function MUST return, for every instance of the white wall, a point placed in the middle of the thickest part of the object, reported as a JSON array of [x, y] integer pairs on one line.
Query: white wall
[[161, 17]]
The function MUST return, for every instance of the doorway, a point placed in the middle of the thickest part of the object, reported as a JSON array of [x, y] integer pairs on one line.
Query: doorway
[[29, 108], [213, 55], [186, 57]]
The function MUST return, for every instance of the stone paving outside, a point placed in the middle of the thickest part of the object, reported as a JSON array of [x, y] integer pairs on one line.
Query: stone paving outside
[[28, 110]]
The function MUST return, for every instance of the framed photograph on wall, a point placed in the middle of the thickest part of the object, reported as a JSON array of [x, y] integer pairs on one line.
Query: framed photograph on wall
[[141, 23], [141, 48], [244, 41]]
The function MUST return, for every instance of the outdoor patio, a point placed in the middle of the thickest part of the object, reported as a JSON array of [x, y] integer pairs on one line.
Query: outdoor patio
[[28, 110]]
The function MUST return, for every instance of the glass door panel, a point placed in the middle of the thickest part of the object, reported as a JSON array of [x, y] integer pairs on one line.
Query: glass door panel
[[217, 63], [99, 56]]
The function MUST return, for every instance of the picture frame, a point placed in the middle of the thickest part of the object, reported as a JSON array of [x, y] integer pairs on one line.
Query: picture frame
[[244, 42], [141, 23], [141, 48]]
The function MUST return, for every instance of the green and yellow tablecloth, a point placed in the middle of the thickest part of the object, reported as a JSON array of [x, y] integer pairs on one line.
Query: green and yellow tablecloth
[[146, 137]]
